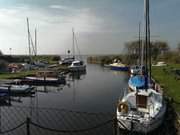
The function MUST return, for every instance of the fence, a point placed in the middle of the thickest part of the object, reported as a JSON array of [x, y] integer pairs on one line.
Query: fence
[[18, 120]]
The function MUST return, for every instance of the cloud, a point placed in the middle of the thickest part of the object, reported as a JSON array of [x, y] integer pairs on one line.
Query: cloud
[[54, 30], [59, 7]]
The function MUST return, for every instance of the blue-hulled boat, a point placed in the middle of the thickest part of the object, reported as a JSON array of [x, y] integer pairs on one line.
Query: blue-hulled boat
[[117, 65]]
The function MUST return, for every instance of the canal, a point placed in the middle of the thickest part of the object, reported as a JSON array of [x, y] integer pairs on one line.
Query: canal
[[85, 105], [97, 90]]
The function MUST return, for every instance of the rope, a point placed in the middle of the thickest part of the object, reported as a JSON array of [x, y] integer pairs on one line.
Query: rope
[[122, 125], [71, 131], [66, 110], [12, 129]]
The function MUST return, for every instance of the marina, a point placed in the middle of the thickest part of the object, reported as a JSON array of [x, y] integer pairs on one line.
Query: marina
[[78, 68]]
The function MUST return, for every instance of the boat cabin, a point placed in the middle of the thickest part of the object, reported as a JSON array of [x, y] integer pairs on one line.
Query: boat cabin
[[67, 61], [141, 101], [77, 63]]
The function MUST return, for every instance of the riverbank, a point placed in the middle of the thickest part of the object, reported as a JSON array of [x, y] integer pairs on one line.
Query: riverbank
[[17, 74], [166, 77], [105, 59]]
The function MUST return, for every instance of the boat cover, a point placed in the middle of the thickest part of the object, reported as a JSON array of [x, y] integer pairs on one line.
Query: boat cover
[[137, 81]]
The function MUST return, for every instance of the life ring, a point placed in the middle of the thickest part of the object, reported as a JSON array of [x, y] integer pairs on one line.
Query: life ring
[[123, 107]]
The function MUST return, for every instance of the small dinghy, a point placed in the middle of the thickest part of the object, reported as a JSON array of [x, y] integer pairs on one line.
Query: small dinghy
[[16, 89], [44, 78]]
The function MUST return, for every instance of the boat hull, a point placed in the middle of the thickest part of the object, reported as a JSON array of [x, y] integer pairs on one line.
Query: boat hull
[[141, 127], [40, 81], [118, 68], [77, 69], [16, 90]]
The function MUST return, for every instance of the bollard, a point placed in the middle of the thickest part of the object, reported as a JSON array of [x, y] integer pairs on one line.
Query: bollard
[[9, 95], [28, 125], [115, 122]]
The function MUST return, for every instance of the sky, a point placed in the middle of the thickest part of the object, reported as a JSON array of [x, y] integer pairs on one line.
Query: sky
[[101, 26]]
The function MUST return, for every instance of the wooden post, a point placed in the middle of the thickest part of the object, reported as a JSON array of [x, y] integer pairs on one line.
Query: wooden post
[[9, 95], [28, 125], [115, 125]]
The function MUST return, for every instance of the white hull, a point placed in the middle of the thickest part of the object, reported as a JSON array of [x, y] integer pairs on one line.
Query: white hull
[[136, 125]]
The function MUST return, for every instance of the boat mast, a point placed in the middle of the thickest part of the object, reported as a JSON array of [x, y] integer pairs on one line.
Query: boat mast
[[73, 48], [35, 37], [146, 41], [139, 43], [29, 42], [149, 41]]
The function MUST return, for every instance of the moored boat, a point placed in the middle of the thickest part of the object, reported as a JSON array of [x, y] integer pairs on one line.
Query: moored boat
[[16, 89], [77, 66], [141, 111], [44, 78], [117, 65]]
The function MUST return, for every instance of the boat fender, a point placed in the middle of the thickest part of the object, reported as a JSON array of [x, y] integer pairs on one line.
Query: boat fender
[[123, 107]]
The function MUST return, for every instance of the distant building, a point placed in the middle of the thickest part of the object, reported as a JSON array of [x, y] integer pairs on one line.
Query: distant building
[[13, 67]]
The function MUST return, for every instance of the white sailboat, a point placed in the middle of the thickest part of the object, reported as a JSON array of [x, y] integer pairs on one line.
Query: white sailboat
[[142, 109], [76, 65]]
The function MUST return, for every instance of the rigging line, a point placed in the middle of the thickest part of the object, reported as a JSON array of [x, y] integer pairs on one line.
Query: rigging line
[[77, 47], [29, 42], [32, 44]]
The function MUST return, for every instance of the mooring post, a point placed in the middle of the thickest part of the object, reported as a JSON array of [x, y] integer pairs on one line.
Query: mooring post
[[28, 126], [9, 95], [115, 125]]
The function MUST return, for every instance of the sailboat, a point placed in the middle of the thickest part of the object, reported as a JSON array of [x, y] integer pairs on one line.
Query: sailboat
[[143, 109], [139, 68], [76, 65]]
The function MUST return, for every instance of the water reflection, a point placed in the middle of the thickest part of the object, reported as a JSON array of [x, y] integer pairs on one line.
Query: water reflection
[[76, 76], [98, 89], [72, 80]]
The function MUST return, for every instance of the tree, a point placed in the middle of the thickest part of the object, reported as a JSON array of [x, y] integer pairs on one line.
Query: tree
[[157, 48], [178, 47]]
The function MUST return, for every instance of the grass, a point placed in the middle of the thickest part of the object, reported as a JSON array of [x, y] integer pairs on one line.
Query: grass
[[166, 78], [16, 75]]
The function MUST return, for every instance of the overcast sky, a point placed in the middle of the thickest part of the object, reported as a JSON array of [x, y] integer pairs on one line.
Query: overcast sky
[[101, 26]]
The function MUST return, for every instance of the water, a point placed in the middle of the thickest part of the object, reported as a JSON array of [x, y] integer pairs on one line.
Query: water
[[96, 91]]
